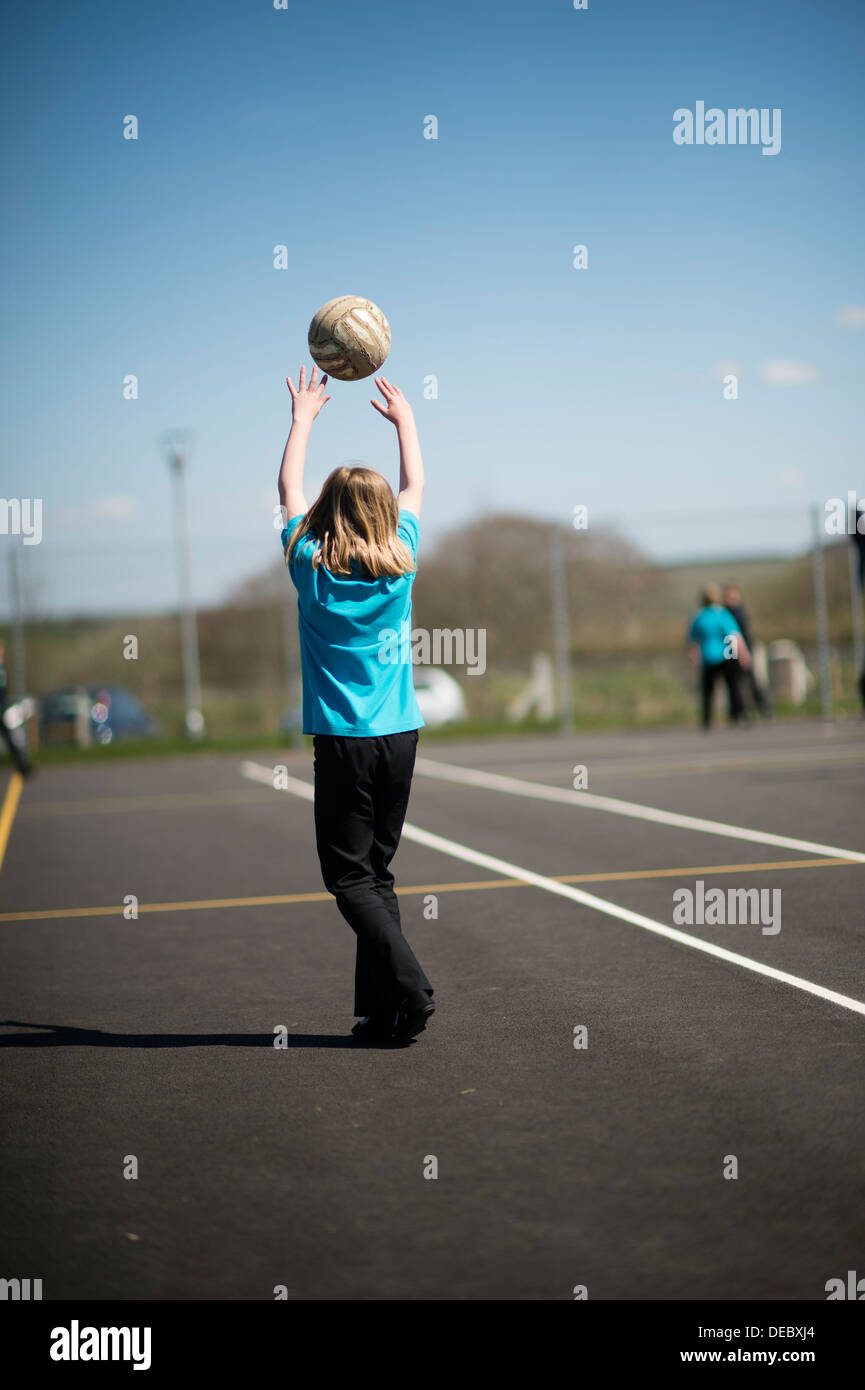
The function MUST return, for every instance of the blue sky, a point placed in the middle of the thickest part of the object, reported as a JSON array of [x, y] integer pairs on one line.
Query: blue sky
[[557, 387]]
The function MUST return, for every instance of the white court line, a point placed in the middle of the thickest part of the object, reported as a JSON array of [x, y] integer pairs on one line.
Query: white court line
[[515, 786], [257, 773]]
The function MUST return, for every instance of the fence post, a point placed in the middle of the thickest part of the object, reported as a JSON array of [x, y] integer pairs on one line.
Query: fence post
[[856, 612], [561, 633], [822, 617]]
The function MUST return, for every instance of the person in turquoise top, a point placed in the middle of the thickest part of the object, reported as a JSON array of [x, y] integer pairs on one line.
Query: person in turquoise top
[[351, 684], [715, 640], [352, 556]]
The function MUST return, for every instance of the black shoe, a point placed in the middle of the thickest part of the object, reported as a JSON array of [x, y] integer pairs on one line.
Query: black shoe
[[376, 1028], [414, 1013]]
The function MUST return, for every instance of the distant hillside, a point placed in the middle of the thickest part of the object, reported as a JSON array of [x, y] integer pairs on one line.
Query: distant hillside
[[492, 574], [495, 573]]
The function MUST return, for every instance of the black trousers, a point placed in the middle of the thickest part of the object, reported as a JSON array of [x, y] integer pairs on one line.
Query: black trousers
[[727, 671], [362, 788]]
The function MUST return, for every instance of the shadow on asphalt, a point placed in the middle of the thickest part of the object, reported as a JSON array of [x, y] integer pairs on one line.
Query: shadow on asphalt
[[59, 1036]]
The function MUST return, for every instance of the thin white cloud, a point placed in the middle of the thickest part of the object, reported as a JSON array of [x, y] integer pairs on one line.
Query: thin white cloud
[[120, 507], [790, 479], [851, 316], [789, 373]]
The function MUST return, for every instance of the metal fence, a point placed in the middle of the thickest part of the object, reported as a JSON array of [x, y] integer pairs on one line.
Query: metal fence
[[580, 626]]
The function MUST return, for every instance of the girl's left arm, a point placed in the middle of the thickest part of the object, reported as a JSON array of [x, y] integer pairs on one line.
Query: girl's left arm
[[306, 402], [411, 473]]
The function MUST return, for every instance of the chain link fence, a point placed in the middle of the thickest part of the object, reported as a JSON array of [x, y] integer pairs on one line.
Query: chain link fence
[[539, 623]]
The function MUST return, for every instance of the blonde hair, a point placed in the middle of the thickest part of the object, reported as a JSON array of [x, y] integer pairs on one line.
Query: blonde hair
[[354, 518]]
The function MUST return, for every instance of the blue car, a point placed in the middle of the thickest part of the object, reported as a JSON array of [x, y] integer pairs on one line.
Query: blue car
[[92, 714]]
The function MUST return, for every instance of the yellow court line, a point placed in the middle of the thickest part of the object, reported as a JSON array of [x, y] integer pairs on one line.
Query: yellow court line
[[769, 865], [7, 814], [280, 899]]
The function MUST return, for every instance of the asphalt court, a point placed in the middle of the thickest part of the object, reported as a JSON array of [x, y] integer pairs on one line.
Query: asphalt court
[[157, 1034]]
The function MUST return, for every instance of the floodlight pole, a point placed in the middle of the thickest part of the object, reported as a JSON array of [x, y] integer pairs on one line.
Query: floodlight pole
[[194, 717], [561, 631]]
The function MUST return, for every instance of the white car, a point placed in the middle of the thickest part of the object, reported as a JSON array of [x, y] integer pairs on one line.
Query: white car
[[440, 698]]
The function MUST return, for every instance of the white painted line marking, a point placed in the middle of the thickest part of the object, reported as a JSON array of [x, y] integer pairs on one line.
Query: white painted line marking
[[257, 773], [515, 786]]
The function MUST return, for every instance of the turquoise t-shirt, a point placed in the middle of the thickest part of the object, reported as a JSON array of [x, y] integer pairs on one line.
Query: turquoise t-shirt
[[355, 644], [710, 628]]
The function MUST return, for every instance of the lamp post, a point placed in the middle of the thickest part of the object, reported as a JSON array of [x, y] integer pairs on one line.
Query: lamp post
[[176, 445]]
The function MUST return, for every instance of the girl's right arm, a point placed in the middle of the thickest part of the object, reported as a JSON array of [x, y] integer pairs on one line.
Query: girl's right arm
[[306, 402], [411, 475]]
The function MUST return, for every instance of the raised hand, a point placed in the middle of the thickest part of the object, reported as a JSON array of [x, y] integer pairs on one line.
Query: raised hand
[[307, 400], [395, 408]]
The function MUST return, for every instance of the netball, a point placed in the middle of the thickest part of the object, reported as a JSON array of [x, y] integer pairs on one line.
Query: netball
[[349, 338]]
